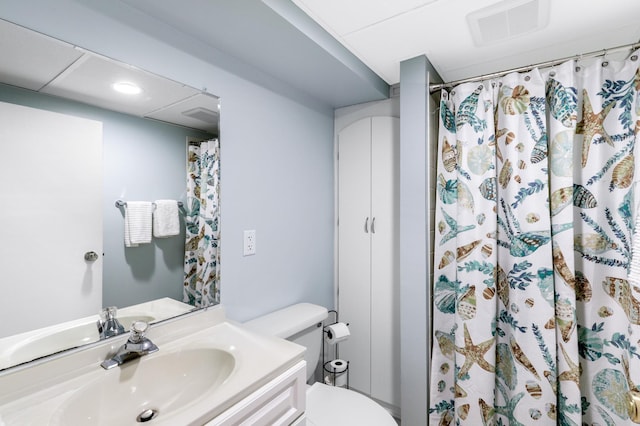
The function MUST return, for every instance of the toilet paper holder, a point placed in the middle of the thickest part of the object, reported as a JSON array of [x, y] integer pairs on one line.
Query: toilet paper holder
[[335, 370]]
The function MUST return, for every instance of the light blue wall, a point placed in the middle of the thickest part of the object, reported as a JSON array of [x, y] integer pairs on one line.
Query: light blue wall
[[277, 157], [418, 126], [143, 160]]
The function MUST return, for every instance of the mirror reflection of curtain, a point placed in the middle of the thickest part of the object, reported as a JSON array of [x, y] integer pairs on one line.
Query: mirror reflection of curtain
[[202, 219], [535, 319]]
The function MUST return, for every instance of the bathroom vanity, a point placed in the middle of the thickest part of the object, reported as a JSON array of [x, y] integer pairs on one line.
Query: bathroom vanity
[[208, 371]]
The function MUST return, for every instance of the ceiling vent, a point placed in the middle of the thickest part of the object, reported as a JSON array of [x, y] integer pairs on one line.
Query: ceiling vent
[[202, 114], [507, 19]]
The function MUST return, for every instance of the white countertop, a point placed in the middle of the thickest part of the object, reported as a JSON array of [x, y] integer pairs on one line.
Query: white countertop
[[33, 395]]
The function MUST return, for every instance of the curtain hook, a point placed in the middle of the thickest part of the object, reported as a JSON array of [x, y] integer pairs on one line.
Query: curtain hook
[[578, 68], [482, 81], [604, 58], [552, 73]]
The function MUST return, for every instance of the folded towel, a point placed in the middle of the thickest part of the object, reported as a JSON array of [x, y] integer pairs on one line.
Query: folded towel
[[137, 223], [166, 220]]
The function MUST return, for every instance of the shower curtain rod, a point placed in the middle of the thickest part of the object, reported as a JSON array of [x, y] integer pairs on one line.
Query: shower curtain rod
[[602, 52]]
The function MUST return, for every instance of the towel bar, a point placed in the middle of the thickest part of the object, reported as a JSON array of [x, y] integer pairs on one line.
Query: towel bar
[[120, 203]]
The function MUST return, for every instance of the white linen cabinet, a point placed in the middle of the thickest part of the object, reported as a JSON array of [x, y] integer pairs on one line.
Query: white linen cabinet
[[368, 261]]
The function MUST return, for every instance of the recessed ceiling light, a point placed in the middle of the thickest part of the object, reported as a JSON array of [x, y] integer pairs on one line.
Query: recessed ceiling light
[[126, 87]]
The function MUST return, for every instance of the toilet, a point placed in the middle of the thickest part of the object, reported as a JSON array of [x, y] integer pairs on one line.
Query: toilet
[[326, 405]]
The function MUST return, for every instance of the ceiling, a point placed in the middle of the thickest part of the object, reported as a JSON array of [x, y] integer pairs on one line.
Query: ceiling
[[383, 32], [342, 52], [43, 64]]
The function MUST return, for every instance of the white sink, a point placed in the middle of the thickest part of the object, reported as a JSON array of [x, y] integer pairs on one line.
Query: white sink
[[152, 387], [204, 367]]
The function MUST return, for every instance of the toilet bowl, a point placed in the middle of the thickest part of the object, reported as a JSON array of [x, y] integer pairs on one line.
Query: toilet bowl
[[326, 405], [335, 406]]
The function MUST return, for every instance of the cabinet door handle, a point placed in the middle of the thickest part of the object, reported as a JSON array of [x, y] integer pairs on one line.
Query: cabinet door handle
[[373, 225], [366, 225]]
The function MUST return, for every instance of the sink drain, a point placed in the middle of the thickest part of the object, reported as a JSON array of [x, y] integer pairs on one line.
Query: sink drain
[[147, 415]]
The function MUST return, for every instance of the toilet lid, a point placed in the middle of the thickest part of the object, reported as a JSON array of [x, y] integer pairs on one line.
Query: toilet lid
[[334, 406]]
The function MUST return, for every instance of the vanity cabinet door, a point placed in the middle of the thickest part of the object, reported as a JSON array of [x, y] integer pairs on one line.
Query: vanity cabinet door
[[279, 402]]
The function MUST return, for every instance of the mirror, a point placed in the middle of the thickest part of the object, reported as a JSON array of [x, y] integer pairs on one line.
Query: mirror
[[141, 155]]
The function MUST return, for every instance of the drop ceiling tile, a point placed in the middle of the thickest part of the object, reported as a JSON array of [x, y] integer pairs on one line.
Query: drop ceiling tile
[[29, 59], [206, 105], [447, 43], [90, 80], [383, 46], [343, 17]]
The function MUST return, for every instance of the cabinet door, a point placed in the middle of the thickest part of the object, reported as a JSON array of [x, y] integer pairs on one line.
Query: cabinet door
[[280, 402], [385, 303], [354, 272]]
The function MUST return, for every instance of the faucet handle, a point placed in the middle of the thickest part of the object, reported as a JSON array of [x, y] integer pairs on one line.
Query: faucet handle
[[138, 328], [108, 324], [108, 313]]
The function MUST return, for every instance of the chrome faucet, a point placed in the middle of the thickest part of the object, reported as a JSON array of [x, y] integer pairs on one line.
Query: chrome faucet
[[135, 347], [108, 324]]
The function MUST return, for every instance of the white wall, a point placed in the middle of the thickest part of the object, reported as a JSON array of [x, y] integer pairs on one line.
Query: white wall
[[277, 158]]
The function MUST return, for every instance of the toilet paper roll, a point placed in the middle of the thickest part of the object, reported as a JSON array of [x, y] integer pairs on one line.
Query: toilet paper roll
[[339, 369], [338, 366], [335, 333]]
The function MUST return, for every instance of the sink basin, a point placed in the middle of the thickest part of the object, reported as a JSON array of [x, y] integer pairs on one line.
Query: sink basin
[[52, 342], [151, 387]]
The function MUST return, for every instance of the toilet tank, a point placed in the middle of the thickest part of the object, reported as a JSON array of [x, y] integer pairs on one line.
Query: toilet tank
[[300, 323]]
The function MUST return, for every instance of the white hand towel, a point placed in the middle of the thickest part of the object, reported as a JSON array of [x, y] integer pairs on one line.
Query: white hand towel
[[166, 219], [137, 223]]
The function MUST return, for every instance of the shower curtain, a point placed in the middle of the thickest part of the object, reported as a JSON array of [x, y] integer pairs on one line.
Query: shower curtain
[[534, 319], [202, 247]]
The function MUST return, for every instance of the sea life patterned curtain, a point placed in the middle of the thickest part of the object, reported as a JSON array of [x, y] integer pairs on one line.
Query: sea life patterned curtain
[[202, 223], [535, 321]]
